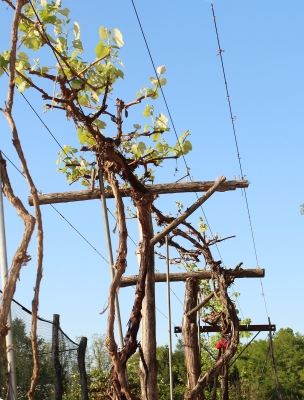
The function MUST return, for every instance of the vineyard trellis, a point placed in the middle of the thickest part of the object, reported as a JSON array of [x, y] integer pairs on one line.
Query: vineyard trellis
[[125, 162]]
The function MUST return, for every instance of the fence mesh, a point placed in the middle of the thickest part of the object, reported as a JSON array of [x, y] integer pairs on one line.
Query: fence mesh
[[21, 317]]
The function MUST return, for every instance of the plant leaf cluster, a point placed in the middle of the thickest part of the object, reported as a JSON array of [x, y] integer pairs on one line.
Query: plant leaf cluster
[[89, 84]]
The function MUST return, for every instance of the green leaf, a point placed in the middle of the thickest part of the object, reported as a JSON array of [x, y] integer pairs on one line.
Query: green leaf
[[65, 12], [18, 80], [85, 137], [77, 45], [23, 56], [94, 97], [43, 3], [141, 147], [22, 86], [136, 126], [146, 128], [101, 50], [162, 121], [76, 30], [158, 82], [44, 70], [148, 111], [46, 17], [3, 63], [74, 54], [159, 147], [161, 70], [100, 124], [21, 65], [77, 84], [50, 38], [61, 43], [58, 27], [120, 73], [187, 146], [80, 135], [134, 148], [7, 55], [29, 11], [162, 81], [155, 136], [84, 183], [84, 100], [202, 227], [118, 37], [103, 33], [120, 62], [153, 93], [154, 81]]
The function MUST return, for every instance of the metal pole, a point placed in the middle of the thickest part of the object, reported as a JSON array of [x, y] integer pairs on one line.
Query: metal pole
[[110, 254], [169, 319], [4, 273]]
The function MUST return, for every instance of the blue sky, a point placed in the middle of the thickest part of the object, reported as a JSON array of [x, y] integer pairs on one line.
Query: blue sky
[[263, 43]]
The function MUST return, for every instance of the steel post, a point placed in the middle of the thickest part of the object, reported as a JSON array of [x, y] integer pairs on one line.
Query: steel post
[[169, 319], [110, 254]]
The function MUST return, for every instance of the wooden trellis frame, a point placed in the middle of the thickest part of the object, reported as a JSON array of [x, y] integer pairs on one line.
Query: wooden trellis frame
[[148, 339]]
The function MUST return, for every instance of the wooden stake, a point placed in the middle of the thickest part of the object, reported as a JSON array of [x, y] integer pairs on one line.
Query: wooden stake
[[81, 367], [148, 375], [169, 228], [190, 335], [56, 362]]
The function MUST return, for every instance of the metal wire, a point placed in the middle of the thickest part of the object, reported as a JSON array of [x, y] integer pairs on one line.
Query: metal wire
[[220, 51], [71, 225]]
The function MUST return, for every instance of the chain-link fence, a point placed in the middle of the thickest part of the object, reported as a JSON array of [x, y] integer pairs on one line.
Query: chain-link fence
[[59, 358]]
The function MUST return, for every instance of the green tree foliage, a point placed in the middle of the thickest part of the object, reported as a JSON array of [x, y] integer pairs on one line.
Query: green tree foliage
[[91, 83], [24, 364], [253, 378], [250, 378], [179, 373]]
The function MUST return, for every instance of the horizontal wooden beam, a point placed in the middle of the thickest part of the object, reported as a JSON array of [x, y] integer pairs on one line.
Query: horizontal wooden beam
[[165, 188], [242, 328], [182, 276]]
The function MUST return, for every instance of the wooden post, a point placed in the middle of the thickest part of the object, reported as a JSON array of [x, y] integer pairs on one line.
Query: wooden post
[[148, 374], [81, 367], [56, 362], [225, 388], [215, 379], [190, 336]]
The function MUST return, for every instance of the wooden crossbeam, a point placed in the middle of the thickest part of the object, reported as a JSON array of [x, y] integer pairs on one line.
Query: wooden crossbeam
[[242, 328], [204, 275], [165, 188]]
